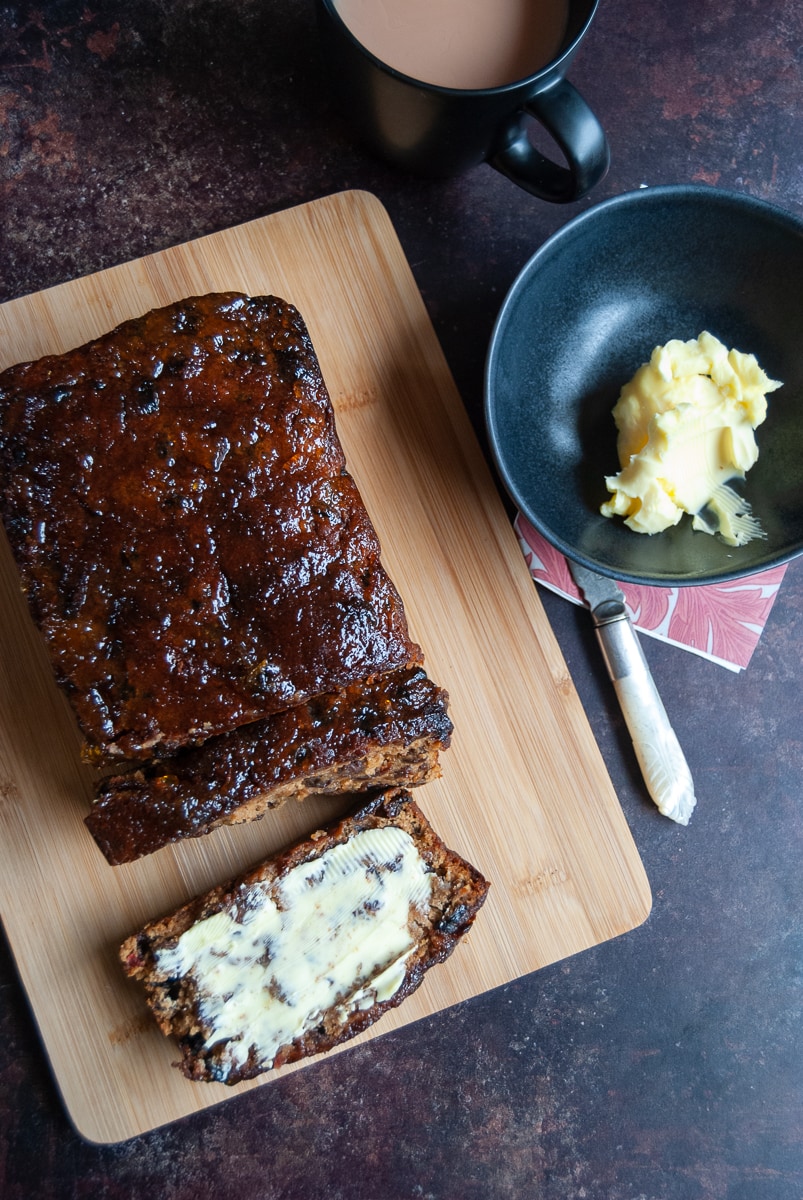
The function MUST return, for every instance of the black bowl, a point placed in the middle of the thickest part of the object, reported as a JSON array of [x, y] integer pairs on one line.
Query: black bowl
[[587, 310]]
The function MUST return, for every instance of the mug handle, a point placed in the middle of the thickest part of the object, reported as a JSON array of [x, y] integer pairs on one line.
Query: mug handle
[[566, 117]]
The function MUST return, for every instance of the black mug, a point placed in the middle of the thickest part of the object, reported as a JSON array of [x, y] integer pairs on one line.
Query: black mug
[[442, 131]]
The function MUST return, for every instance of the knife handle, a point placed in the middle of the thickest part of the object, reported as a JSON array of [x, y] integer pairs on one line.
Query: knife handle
[[658, 751]]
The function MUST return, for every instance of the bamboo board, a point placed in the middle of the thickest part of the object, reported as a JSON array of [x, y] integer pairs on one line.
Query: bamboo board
[[524, 794]]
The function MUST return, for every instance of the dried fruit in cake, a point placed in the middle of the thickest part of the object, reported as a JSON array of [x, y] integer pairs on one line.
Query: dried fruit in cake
[[310, 948], [385, 733], [191, 543]]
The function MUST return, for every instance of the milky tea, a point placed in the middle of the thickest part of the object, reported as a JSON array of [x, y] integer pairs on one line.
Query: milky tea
[[465, 44]]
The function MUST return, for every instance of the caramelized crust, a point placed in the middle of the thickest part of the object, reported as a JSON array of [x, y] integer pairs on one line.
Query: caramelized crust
[[388, 733], [178, 1002], [190, 541]]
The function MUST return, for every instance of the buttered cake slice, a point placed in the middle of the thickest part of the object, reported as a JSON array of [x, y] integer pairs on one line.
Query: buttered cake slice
[[310, 948]]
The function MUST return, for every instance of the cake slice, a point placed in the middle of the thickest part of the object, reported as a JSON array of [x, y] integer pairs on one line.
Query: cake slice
[[309, 949], [388, 732], [190, 541]]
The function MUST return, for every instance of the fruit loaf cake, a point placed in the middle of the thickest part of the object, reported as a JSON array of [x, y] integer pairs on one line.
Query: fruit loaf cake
[[190, 541], [310, 948], [387, 732]]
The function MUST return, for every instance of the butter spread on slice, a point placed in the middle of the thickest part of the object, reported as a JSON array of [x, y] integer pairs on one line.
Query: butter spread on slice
[[333, 934], [686, 423]]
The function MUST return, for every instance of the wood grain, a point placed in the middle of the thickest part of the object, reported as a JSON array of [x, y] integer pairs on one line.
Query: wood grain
[[524, 795]]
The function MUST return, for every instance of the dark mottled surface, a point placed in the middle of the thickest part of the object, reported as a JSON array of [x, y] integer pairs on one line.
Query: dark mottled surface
[[666, 1065]]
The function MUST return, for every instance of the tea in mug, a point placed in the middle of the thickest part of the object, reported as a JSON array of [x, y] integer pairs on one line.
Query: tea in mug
[[466, 44]]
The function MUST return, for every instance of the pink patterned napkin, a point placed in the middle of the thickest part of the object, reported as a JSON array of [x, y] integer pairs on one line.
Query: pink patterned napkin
[[721, 622]]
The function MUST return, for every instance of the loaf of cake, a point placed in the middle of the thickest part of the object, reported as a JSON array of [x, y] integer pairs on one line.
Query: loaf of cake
[[386, 732], [308, 949], [190, 541]]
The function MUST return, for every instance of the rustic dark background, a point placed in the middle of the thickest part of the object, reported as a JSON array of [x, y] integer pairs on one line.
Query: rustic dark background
[[665, 1065]]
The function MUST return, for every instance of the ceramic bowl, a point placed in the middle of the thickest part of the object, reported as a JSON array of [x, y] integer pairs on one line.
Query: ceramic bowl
[[587, 310]]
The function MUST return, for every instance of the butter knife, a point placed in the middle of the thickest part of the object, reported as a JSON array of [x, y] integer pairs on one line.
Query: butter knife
[[663, 765]]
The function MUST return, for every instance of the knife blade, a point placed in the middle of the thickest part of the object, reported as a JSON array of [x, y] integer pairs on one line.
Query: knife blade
[[663, 764]]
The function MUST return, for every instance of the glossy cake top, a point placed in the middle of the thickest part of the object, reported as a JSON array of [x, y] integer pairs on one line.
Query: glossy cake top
[[190, 541]]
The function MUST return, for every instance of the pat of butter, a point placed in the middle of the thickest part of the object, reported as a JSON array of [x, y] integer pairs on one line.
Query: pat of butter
[[686, 424], [333, 935]]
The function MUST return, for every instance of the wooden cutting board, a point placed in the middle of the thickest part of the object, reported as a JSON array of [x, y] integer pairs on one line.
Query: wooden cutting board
[[524, 794]]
